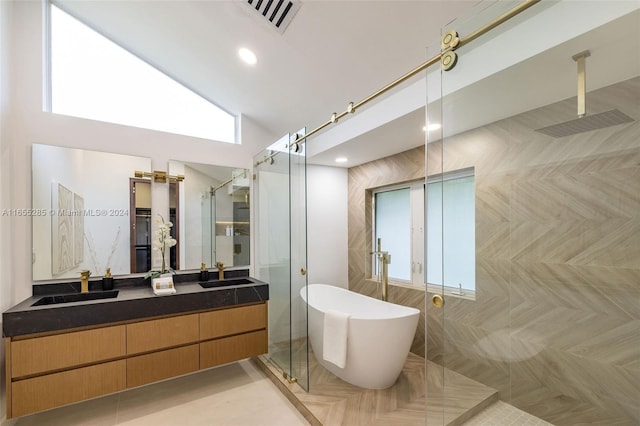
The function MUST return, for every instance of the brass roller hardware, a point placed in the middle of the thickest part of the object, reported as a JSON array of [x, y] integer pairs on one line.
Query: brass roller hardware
[[303, 271], [437, 301], [450, 40], [449, 60], [448, 43]]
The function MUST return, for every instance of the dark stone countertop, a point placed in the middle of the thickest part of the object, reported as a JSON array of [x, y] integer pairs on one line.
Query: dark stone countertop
[[135, 301]]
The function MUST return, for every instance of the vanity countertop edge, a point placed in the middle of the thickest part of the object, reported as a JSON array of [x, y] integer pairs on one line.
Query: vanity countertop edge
[[131, 303]]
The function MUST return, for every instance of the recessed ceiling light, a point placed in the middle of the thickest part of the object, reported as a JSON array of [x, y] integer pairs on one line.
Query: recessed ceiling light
[[341, 160], [247, 56], [431, 127]]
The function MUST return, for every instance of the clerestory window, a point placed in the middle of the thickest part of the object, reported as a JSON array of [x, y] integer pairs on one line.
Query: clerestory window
[[92, 77]]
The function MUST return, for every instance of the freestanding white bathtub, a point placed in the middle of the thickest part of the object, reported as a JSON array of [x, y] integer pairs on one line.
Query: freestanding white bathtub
[[379, 334]]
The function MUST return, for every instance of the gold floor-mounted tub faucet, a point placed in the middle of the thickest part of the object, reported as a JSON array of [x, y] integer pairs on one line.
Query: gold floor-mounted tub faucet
[[385, 259]]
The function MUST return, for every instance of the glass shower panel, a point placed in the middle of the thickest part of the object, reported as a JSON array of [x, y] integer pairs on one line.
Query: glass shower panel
[[281, 260], [551, 328], [434, 316], [298, 221], [272, 252]]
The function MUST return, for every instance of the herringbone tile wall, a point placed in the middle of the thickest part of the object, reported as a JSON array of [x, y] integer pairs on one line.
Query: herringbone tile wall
[[555, 326], [403, 167]]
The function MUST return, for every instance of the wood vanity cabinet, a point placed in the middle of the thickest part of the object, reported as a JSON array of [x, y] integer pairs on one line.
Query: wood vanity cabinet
[[232, 334], [45, 372], [162, 342]]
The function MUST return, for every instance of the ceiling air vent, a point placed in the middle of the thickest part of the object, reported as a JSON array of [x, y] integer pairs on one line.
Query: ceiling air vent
[[277, 13]]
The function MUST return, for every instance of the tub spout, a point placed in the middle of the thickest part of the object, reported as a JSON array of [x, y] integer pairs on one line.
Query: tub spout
[[385, 259]]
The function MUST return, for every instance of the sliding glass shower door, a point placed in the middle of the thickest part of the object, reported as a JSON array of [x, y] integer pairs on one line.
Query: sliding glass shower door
[[549, 324], [281, 251]]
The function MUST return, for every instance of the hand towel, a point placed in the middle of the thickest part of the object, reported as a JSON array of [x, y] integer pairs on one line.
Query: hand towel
[[336, 333]]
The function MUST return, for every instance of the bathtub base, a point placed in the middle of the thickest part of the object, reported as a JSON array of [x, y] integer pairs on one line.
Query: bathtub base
[[379, 335]]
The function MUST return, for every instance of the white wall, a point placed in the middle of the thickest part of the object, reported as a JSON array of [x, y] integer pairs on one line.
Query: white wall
[[22, 56], [327, 192]]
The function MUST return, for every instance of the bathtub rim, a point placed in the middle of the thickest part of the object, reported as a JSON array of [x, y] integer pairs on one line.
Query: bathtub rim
[[403, 310]]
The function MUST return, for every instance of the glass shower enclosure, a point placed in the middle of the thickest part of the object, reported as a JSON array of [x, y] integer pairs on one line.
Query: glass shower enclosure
[[551, 320], [281, 251]]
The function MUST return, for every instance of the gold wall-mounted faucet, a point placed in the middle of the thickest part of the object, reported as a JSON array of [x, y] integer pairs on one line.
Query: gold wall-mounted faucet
[[84, 281]]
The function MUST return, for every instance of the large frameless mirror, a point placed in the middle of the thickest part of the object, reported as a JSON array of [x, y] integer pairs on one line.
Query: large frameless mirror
[[210, 211], [86, 210]]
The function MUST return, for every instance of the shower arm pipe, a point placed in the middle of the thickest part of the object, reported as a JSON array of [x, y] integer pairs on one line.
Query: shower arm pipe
[[457, 43]]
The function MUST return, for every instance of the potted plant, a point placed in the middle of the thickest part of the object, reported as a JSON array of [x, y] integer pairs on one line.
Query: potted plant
[[162, 280]]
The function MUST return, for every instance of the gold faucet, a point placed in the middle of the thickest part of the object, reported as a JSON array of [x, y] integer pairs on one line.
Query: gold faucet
[[220, 267], [385, 258], [84, 281]]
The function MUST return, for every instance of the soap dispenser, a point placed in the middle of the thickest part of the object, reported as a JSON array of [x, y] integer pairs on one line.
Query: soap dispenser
[[107, 280], [204, 273]]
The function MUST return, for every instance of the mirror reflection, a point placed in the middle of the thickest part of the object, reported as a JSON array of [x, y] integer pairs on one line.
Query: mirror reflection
[[211, 211], [86, 207]]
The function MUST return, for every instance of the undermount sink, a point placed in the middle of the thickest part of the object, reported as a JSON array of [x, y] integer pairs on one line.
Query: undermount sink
[[75, 297], [225, 283]]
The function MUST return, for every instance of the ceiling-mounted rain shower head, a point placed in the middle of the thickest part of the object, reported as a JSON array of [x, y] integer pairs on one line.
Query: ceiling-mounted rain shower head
[[584, 122]]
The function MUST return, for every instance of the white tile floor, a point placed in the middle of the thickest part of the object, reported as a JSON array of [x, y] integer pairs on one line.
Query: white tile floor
[[235, 394]]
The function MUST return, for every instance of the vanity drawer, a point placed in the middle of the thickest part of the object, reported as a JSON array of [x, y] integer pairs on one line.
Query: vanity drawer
[[162, 333], [53, 390], [161, 365], [226, 322], [41, 354], [234, 348]]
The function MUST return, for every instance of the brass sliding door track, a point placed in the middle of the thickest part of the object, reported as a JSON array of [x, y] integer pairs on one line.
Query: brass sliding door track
[[447, 57]]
